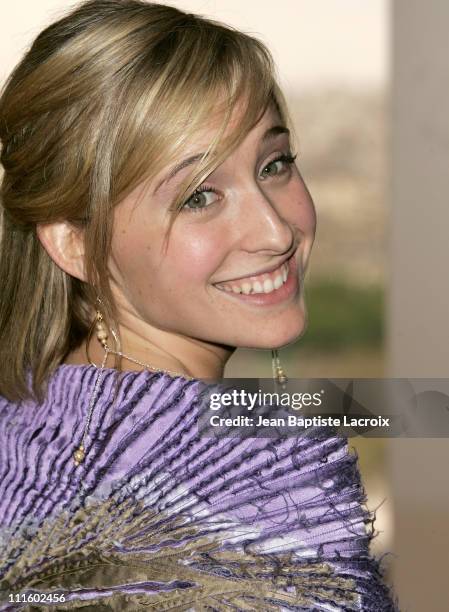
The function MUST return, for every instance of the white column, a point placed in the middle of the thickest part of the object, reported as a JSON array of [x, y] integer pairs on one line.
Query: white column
[[418, 305]]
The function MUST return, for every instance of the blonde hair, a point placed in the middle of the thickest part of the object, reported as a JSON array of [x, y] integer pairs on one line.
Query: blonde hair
[[105, 98]]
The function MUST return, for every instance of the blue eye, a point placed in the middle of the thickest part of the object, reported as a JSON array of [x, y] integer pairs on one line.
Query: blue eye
[[277, 166], [201, 198]]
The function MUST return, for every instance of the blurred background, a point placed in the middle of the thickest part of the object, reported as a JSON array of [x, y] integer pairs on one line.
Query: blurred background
[[367, 85]]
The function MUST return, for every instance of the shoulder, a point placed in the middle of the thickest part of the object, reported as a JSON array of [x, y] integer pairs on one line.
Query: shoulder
[[70, 388], [294, 505], [121, 414]]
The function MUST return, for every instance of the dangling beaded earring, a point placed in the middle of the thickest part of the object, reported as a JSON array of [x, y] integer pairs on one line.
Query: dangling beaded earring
[[102, 336], [102, 333], [102, 330], [279, 376]]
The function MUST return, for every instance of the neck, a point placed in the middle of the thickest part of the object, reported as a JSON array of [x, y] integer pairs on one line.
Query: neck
[[158, 349], [169, 351]]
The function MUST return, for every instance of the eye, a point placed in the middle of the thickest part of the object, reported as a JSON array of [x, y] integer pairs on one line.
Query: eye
[[201, 198], [277, 166]]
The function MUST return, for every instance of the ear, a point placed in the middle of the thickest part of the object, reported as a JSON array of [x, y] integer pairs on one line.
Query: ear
[[65, 245]]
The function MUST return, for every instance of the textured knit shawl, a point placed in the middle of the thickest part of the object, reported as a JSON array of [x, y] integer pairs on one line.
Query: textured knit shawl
[[161, 517]]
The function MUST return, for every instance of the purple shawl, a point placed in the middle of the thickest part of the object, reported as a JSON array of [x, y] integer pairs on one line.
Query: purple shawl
[[161, 517]]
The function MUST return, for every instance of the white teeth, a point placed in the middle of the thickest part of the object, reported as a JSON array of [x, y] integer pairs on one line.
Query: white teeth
[[284, 273], [268, 286], [278, 282]]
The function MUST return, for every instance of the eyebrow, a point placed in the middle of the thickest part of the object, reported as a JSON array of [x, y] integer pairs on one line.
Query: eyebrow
[[271, 133]]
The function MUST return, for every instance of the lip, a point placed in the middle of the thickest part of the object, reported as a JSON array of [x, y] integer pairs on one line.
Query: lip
[[286, 291], [264, 271]]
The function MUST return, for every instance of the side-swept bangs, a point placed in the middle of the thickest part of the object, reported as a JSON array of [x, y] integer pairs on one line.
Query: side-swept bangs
[[106, 99]]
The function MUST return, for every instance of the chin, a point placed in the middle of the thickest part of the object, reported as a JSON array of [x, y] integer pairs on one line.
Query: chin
[[277, 335]]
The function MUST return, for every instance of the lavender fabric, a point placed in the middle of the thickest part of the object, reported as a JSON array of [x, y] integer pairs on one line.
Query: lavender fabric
[[160, 516]]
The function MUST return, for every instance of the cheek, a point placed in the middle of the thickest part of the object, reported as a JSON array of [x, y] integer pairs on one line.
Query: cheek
[[300, 209], [309, 216], [133, 253], [194, 254], [142, 268]]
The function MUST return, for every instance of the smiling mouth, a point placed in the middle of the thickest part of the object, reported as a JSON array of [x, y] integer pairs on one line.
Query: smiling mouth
[[267, 282]]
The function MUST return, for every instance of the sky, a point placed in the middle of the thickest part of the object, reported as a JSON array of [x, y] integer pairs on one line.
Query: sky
[[315, 43]]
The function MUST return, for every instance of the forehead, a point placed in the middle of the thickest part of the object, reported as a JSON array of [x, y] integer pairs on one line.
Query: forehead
[[218, 142], [205, 135]]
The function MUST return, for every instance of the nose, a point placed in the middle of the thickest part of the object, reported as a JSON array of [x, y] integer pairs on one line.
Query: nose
[[264, 227]]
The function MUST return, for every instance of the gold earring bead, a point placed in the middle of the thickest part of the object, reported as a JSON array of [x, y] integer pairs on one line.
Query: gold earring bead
[[281, 376], [79, 454], [102, 331]]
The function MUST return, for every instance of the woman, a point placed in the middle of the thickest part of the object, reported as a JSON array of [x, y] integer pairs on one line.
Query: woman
[[150, 195]]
